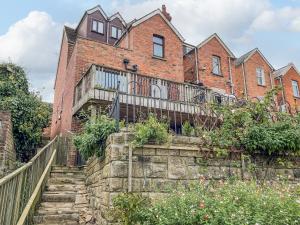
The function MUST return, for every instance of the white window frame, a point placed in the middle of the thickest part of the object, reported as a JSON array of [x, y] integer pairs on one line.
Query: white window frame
[[118, 32], [216, 64], [260, 76], [295, 87], [96, 25]]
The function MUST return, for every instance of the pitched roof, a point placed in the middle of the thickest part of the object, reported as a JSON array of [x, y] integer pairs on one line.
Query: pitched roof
[[70, 33], [282, 71], [137, 22], [249, 54], [219, 40], [117, 15]]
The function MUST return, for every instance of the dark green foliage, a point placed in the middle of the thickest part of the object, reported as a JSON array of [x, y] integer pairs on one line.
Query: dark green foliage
[[150, 130], [129, 207], [93, 138], [232, 203], [187, 129], [29, 114], [256, 128]]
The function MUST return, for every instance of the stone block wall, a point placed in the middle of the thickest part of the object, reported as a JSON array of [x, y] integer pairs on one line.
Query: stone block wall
[[7, 150], [157, 169]]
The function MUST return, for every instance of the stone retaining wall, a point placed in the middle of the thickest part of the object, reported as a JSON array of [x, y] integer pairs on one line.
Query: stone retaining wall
[[157, 169], [7, 151]]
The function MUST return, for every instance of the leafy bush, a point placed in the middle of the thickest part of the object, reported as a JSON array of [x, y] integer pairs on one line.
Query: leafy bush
[[220, 203], [187, 129], [150, 130], [256, 128], [29, 114], [129, 207], [93, 138]]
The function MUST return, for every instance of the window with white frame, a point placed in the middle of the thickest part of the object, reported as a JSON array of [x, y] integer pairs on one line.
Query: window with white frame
[[260, 76], [295, 88], [116, 32], [97, 26], [216, 65]]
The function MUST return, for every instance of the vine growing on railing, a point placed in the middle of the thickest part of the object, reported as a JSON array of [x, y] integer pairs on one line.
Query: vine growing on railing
[[92, 141]]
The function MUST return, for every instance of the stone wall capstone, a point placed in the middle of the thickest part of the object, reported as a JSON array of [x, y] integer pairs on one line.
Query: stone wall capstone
[[156, 169]]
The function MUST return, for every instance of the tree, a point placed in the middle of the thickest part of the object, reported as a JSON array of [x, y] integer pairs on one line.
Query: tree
[[29, 114]]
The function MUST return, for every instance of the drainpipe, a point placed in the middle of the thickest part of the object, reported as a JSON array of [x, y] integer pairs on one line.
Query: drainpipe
[[107, 32], [196, 64], [245, 82], [230, 76], [283, 91]]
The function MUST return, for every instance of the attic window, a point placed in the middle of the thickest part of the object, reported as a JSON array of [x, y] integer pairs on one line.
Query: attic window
[[116, 32], [296, 91], [216, 65], [97, 27], [260, 75]]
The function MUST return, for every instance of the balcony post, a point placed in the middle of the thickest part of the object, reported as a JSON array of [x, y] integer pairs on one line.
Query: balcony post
[[93, 78]]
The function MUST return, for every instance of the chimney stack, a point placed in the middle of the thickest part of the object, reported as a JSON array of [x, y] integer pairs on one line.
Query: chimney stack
[[166, 14]]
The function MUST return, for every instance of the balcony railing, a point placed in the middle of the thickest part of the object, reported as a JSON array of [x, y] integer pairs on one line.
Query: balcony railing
[[132, 84]]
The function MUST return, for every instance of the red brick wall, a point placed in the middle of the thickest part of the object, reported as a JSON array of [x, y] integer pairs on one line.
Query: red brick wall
[[190, 67], [253, 89], [205, 54], [59, 87], [294, 102]]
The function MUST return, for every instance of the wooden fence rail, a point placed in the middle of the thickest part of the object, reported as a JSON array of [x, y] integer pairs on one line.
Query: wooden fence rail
[[22, 188]]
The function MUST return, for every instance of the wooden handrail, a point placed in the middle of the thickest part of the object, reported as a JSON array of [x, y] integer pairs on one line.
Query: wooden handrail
[[18, 188]]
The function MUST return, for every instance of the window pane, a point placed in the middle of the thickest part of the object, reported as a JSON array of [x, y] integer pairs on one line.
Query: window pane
[[114, 32], [216, 65], [94, 27], [100, 27], [119, 33], [260, 76], [157, 40], [295, 88], [158, 50]]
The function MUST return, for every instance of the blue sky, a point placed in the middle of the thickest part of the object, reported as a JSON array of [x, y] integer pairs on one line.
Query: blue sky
[[30, 31]]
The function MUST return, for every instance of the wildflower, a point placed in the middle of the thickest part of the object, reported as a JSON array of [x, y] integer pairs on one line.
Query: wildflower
[[202, 205], [206, 217]]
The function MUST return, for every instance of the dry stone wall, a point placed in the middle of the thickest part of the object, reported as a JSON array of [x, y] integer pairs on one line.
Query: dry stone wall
[[7, 151], [157, 169]]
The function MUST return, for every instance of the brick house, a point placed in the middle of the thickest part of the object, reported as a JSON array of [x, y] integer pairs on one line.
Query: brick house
[[214, 65], [253, 75], [146, 66], [288, 77]]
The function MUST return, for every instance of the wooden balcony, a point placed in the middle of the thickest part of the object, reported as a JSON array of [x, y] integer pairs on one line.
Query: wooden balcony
[[99, 84]]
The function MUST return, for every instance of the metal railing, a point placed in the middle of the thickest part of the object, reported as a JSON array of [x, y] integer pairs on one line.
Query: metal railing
[[21, 190]]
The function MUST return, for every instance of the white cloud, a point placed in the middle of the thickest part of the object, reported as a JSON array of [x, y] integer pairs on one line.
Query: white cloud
[[197, 19], [33, 42]]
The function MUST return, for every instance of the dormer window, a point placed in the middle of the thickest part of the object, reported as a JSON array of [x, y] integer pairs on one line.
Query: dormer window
[[116, 32], [158, 46], [97, 27]]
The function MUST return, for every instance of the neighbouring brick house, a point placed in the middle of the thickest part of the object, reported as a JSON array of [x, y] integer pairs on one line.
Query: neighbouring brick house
[[214, 65], [253, 75], [288, 77], [150, 67], [7, 150]]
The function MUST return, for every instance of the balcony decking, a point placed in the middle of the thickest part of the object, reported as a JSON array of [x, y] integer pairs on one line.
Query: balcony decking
[[147, 94]]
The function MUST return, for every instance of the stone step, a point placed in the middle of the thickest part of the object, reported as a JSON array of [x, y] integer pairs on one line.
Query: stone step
[[66, 180], [65, 223], [58, 197], [61, 218], [64, 187], [66, 168], [55, 211], [57, 205], [68, 175]]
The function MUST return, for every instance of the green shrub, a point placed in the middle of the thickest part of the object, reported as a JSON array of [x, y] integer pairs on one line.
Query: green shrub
[[232, 203], [93, 138], [187, 129], [150, 130], [129, 207]]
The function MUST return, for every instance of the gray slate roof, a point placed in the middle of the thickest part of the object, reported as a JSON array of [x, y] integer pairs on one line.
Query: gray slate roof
[[71, 34], [241, 59], [282, 71]]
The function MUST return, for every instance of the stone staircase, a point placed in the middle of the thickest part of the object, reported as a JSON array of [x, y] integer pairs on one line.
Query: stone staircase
[[63, 198]]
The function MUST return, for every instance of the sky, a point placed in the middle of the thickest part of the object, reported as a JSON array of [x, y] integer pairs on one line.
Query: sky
[[31, 30]]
